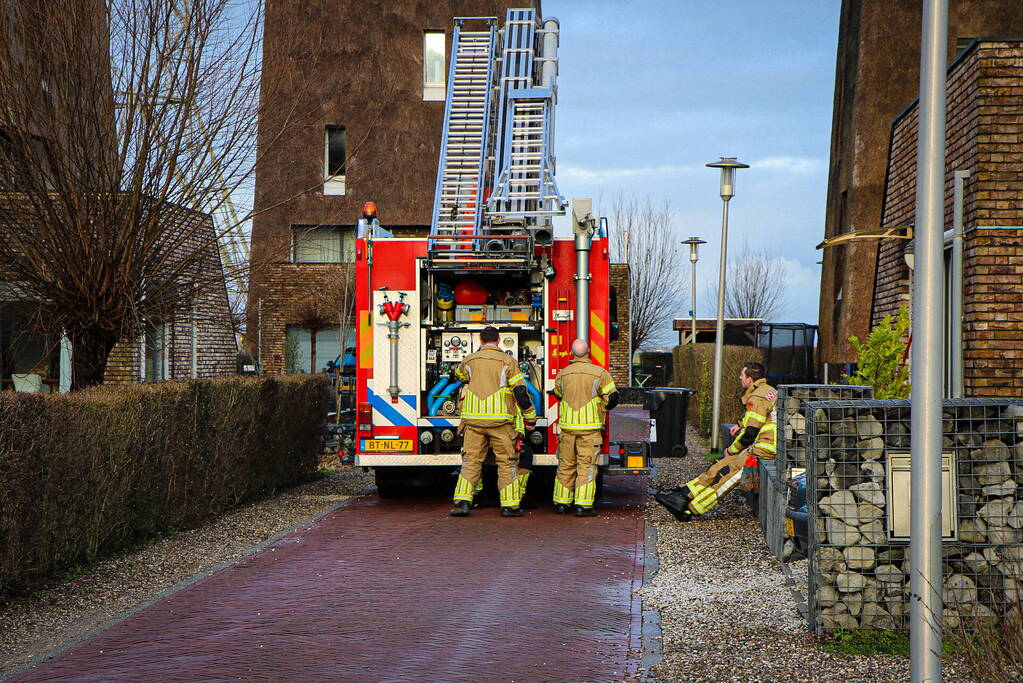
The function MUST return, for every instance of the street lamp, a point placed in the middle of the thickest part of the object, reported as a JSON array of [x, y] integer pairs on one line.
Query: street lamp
[[694, 245], [727, 166]]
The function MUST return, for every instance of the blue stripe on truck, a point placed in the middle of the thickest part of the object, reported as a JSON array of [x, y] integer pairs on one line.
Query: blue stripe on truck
[[389, 414]]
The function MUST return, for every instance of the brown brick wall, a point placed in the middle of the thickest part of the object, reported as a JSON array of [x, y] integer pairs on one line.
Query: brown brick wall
[[288, 290], [619, 361], [985, 136], [877, 75], [215, 342], [356, 64]]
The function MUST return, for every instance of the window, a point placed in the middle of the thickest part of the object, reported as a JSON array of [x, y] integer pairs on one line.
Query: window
[[962, 44], [433, 66], [323, 244], [306, 352], [334, 160], [155, 341]]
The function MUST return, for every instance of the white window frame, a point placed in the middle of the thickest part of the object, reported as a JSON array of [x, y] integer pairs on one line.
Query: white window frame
[[345, 236], [333, 184], [434, 91], [161, 336]]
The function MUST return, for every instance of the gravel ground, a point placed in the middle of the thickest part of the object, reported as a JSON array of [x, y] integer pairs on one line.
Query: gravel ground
[[726, 612], [54, 616]]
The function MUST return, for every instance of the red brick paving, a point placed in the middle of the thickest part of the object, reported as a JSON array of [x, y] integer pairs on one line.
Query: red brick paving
[[399, 591]]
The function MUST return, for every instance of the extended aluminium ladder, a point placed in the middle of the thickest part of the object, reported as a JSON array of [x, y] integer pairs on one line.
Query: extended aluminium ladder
[[458, 202], [524, 173]]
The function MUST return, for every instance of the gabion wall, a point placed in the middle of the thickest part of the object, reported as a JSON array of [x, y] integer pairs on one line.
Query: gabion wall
[[859, 575], [790, 416]]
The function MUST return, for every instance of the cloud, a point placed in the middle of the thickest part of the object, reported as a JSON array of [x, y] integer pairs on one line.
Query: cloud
[[796, 165], [605, 175]]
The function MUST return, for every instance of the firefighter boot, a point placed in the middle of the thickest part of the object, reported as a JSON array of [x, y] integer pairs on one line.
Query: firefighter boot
[[562, 509], [677, 505], [461, 509], [581, 511], [512, 512]]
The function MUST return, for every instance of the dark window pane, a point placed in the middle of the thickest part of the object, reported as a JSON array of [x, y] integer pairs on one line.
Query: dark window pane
[[335, 151]]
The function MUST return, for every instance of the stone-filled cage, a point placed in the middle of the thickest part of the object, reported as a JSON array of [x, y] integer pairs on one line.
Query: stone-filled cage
[[858, 501], [790, 417]]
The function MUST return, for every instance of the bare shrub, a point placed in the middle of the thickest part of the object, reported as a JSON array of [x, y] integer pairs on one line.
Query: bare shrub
[[121, 122], [644, 235]]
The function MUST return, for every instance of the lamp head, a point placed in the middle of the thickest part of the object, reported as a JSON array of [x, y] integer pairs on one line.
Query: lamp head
[[908, 255], [694, 245], [727, 166]]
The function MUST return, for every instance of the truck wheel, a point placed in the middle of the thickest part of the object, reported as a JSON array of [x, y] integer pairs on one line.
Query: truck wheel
[[390, 484]]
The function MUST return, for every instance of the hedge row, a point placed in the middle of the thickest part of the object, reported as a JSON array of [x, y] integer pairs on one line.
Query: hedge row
[[694, 369], [83, 475]]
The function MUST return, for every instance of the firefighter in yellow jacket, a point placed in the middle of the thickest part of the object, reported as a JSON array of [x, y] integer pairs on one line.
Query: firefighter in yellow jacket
[[493, 387], [586, 392], [755, 439]]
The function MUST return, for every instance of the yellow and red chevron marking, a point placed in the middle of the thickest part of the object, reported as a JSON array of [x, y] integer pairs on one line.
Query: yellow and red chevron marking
[[365, 340], [598, 339]]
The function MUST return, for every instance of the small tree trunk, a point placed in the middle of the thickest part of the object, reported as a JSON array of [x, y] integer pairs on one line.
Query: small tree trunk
[[90, 351], [312, 350]]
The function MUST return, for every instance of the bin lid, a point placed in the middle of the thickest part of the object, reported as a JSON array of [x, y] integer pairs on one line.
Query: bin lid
[[654, 398]]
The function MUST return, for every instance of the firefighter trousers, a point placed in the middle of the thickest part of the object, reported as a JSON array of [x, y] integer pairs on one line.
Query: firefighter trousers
[[710, 487], [476, 442], [577, 467]]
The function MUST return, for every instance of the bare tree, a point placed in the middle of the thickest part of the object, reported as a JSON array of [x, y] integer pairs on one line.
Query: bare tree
[[754, 285], [124, 123], [644, 236]]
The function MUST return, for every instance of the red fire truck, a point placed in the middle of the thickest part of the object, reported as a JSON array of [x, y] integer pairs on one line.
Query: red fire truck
[[491, 259]]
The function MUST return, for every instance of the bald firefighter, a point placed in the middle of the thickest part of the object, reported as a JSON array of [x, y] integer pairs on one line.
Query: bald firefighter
[[586, 392], [755, 439], [494, 391]]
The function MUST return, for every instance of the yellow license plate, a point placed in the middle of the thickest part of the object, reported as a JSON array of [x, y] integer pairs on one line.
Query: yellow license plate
[[790, 528], [387, 445]]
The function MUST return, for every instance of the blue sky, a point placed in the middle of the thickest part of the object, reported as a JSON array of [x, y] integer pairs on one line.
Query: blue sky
[[651, 90]]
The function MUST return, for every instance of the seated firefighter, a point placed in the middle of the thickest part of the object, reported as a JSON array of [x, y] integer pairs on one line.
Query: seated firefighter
[[754, 441]]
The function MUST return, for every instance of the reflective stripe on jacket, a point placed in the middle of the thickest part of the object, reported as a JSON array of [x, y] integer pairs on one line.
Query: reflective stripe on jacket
[[583, 389], [489, 376], [759, 401]]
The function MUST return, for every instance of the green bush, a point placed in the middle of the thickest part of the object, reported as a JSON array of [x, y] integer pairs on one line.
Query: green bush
[[880, 361], [83, 475], [694, 369]]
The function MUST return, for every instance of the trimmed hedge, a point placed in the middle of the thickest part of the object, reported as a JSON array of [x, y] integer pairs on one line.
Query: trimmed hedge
[[694, 369], [83, 475]]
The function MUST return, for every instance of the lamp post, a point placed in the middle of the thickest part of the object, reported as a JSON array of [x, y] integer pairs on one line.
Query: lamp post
[[926, 584], [727, 166], [694, 245]]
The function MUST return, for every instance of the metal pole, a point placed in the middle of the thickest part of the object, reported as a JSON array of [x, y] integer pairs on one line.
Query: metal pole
[[195, 342], [957, 282], [582, 285], [692, 314], [925, 522], [719, 336], [628, 279]]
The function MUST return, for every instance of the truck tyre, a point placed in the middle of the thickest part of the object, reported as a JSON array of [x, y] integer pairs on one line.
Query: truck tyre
[[390, 484]]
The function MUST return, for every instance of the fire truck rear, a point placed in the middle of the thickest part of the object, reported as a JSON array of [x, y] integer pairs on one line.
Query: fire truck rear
[[491, 259]]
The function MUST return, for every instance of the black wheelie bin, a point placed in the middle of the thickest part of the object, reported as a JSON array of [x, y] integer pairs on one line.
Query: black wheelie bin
[[668, 407]]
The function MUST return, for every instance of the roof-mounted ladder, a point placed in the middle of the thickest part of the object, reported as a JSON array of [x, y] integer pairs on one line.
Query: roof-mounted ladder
[[457, 208], [524, 174]]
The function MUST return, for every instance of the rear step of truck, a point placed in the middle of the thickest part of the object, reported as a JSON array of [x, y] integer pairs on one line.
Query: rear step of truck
[[630, 457]]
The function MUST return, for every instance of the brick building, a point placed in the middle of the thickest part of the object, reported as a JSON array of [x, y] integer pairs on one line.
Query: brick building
[[55, 65], [984, 136], [360, 121], [619, 361], [877, 74]]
